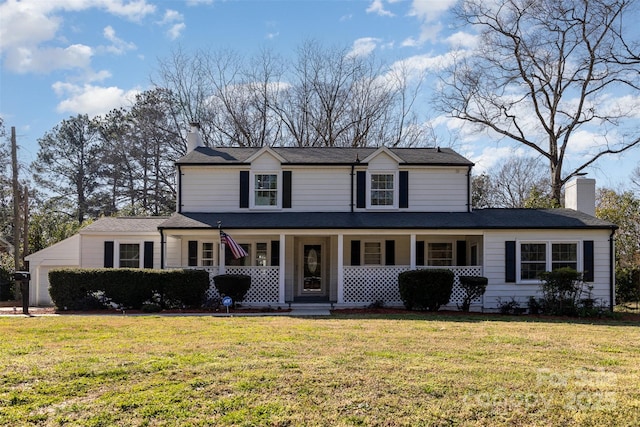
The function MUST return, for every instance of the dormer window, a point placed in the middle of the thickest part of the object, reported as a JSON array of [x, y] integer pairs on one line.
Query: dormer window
[[265, 190], [382, 189]]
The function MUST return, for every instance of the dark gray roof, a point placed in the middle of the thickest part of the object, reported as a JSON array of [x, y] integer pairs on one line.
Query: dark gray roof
[[322, 155], [125, 224], [479, 219]]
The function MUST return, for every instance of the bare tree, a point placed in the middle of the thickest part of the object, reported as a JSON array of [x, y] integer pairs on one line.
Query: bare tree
[[545, 70]]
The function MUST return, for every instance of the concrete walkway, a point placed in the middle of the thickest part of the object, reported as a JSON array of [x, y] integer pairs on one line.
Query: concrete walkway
[[48, 311]]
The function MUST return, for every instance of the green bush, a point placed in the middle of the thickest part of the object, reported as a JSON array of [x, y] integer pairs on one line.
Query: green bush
[[473, 287], [235, 286], [6, 285], [562, 291], [425, 289], [627, 284], [81, 289], [184, 288]]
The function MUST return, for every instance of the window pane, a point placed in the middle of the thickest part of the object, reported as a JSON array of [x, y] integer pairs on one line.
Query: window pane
[[533, 260], [261, 254], [564, 255], [382, 190], [207, 254], [372, 253], [440, 254], [266, 190], [129, 255]]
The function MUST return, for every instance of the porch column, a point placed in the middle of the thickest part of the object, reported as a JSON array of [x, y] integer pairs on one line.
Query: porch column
[[221, 263], [340, 268], [281, 271], [412, 251]]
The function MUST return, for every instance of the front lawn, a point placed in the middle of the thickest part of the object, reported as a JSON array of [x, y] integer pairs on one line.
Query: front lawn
[[408, 370]]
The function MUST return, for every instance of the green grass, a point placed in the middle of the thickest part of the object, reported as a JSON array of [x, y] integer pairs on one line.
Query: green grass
[[338, 371]]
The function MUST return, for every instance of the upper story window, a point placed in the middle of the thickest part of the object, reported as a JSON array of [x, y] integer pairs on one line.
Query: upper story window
[[382, 189], [265, 190], [538, 257], [129, 255]]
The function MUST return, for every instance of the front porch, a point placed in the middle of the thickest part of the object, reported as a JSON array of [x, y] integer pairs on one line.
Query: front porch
[[362, 285]]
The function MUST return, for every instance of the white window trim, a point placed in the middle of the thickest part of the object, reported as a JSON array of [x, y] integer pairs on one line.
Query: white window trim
[[548, 260], [252, 190], [214, 250], [396, 191], [140, 244]]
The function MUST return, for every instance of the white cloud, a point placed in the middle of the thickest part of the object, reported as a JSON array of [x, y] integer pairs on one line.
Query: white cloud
[[428, 13], [175, 21], [272, 36], [45, 60], [90, 99], [25, 25], [377, 7], [462, 40], [363, 46], [118, 46]]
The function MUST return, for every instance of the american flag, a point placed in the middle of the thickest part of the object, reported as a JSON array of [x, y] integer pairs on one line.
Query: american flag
[[236, 249]]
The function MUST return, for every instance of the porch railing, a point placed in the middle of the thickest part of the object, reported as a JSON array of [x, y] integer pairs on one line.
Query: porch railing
[[264, 283], [366, 284]]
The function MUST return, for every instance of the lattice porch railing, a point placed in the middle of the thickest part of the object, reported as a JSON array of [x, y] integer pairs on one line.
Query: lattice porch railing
[[367, 284], [264, 283]]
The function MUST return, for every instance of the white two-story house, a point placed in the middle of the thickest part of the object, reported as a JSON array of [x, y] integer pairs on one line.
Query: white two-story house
[[338, 225]]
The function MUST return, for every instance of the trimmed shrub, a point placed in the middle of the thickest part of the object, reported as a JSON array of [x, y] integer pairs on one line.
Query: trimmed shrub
[[473, 287], [425, 289], [184, 288], [235, 286], [6, 285], [78, 289]]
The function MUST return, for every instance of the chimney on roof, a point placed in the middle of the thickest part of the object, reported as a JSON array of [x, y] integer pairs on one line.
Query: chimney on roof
[[194, 139], [580, 195]]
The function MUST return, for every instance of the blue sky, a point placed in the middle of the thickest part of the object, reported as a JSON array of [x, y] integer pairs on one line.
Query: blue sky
[[64, 57]]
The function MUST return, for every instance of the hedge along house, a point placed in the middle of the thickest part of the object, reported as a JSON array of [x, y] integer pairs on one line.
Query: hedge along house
[[338, 225]]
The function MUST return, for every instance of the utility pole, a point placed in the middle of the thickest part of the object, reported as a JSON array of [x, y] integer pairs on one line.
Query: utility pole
[[16, 200], [25, 224]]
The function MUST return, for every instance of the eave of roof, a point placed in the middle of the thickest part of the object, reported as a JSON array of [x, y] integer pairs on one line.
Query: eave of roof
[[490, 219]]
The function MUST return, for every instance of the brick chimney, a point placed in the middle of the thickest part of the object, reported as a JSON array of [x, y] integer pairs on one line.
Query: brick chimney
[[580, 195]]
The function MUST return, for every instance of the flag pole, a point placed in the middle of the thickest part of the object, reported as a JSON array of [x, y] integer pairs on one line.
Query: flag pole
[[221, 263]]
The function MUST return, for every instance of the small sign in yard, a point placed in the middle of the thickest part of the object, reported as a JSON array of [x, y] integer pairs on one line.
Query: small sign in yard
[[227, 302]]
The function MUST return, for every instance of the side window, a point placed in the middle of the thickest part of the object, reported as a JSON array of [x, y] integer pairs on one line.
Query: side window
[[372, 253], [564, 255], [129, 255], [533, 260]]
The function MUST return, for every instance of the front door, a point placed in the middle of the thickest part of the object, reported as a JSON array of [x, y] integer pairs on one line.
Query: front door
[[312, 280]]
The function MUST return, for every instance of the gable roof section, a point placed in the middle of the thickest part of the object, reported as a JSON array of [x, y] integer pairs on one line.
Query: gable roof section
[[145, 224], [384, 150], [483, 219], [322, 156]]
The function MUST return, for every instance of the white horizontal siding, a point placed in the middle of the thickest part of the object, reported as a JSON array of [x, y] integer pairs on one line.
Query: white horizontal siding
[[321, 189], [209, 189], [494, 262], [92, 248], [438, 190]]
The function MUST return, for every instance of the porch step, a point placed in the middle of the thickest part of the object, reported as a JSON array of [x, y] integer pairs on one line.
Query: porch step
[[310, 309]]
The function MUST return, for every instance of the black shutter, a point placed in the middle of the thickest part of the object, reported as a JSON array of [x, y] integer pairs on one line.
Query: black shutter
[[355, 252], [193, 253], [275, 253], [510, 261], [244, 189], [420, 252], [461, 252], [404, 189], [286, 189], [588, 266], [148, 255], [361, 189], [390, 252], [108, 254]]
